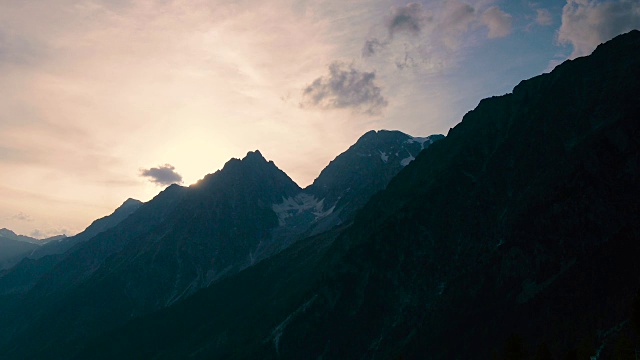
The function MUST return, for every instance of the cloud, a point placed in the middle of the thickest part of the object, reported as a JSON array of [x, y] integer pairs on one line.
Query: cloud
[[373, 46], [162, 175], [441, 27], [37, 234], [498, 22], [40, 234], [345, 87], [543, 17], [410, 19], [22, 217], [588, 23], [454, 22], [15, 49]]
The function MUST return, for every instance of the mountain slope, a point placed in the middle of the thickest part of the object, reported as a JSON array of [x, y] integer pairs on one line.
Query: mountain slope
[[60, 246], [8, 234], [11, 249], [24, 275], [476, 230], [344, 186], [188, 238], [180, 241], [523, 221]]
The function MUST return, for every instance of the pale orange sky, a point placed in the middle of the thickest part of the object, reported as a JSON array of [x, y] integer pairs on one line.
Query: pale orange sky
[[93, 92]]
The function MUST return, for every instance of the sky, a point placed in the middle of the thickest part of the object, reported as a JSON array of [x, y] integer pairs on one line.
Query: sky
[[109, 99]]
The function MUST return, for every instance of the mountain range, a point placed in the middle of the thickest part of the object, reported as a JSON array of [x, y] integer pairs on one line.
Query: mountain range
[[14, 247], [513, 237], [155, 254]]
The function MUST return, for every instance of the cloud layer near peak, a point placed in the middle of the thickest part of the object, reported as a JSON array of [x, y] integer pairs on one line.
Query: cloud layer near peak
[[587, 23]]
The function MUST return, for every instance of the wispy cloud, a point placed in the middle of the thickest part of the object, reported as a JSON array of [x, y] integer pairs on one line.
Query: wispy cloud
[[162, 175], [16, 49], [587, 23], [372, 46], [345, 87], [43, 234], [543, 17], [409, 19], [441, 27], [21, 217], [498, 22]]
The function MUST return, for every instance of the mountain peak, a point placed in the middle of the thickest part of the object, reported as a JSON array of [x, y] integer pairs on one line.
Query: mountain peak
[[8, 234], [252, 169], [130, 202], [254, 153], [4, 232], [382, 135], [254, 156]]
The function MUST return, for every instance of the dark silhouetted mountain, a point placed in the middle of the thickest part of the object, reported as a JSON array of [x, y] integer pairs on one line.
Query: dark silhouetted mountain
[[59, 245], [6, 233], [366, 168], [188, 238], [519, 230], [11, 250], [178, 242], [24, 275], [343, 187]]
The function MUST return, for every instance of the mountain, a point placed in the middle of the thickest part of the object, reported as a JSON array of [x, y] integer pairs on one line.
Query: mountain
[[188, 238], [12, 249], [377, 156], [60, 244], [516, 232], [6, 233], [34, 264], [178, 242], [343, 186]]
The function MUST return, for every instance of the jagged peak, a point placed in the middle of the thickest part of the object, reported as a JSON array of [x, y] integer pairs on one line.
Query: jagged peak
[[130, 202], [254, 153], [254, 156], [253, 165]]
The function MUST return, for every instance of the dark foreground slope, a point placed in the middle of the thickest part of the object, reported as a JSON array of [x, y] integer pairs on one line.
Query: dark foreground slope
[[520, 228], [473, 242]]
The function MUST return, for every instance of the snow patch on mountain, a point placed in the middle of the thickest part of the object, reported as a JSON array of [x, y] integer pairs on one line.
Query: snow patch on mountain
[[302, 202], [407, 160], [420, 140], [384, 156]]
